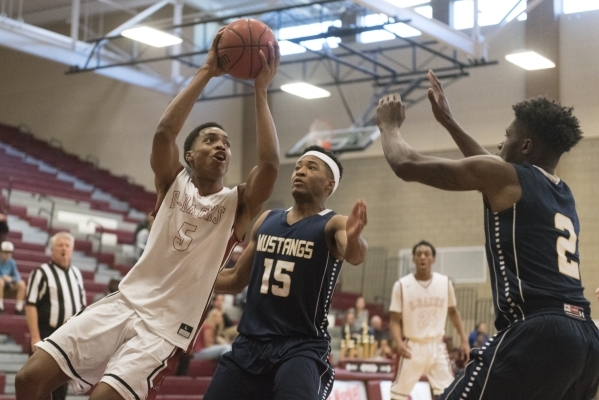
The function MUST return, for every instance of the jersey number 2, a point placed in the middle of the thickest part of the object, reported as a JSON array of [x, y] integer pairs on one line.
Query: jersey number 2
[[280, 276], [564, 245]]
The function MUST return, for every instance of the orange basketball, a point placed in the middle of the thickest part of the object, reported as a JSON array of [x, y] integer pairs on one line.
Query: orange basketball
[[239, 47]]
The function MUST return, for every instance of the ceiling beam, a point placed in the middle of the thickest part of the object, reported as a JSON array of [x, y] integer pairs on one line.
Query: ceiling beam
[[40, 42], [431, 27], [63, 13]]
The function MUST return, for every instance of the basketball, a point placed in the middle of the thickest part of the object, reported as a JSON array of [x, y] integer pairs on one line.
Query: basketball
[[239, 47]]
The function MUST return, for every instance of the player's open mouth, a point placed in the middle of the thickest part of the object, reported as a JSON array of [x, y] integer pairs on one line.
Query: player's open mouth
[[220, 157]]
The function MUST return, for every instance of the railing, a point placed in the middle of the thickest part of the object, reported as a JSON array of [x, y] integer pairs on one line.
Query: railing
[[98, 237], [50, 213]]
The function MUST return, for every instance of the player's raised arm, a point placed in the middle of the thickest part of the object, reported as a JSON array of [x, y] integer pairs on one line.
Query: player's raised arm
[[492, 176], [233, 280], [468, 146], [349, 242], [261, 179], [165, 153]]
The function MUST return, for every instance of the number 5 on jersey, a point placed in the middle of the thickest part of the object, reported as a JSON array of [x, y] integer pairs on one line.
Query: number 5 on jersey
[[280, 276]]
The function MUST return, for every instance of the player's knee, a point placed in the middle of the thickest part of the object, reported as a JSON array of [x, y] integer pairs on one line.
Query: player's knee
[[26, 379]]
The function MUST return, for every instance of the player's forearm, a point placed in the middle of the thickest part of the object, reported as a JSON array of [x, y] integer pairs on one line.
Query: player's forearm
[[355, 251], [178, 111], [466, 143], [32, 321], [228, 282], [398, 152], [267, 142], [395, 328]]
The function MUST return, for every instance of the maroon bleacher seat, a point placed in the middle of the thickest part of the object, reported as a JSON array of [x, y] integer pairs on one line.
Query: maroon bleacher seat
[[202, 368], [19, 244], [184, 385], [14, 235], [30, 255], [122, 268], [19, 211]]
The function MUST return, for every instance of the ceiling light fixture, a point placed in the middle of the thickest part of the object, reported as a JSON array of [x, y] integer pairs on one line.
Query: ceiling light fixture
[[529, 60], [305, 90], [151, 36]]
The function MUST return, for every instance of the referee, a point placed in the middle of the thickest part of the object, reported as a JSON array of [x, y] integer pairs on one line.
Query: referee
[[54, 293]]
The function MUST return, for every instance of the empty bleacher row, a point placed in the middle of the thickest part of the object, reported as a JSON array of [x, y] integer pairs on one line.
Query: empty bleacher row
[[119, 187]]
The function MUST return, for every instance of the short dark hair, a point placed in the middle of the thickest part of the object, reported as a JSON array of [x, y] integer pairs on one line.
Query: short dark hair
[[329, 154], [548, 121], [193, 135], [424, 243]]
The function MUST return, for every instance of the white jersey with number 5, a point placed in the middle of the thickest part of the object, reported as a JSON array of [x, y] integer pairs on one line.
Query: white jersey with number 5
[[191, 238], [423, 305]]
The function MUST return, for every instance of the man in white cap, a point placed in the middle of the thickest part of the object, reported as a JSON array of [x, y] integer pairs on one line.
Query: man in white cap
[[294, 258], [11, 279]]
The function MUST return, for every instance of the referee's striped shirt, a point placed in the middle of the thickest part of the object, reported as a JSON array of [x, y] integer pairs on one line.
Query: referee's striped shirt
[[57, 293]]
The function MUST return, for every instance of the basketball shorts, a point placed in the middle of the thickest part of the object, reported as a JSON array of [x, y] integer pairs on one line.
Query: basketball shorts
[[428, 358], [108, 342], [545, 357], [277, 369]]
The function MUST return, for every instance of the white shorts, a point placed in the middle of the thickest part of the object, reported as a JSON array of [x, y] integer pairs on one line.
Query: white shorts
[[108, 342], [428, 358]]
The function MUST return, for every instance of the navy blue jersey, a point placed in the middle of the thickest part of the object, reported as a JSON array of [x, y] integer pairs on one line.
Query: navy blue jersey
[[292, 280], [532, 250]]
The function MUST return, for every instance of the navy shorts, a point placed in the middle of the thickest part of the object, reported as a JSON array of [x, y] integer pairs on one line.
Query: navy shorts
[[545, 357], [277, 369]]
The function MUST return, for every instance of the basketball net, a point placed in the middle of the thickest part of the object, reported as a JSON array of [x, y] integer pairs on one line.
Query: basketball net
[[321, 133]]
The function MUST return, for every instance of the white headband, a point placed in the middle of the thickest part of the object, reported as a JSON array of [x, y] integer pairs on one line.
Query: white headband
[[329, 161]]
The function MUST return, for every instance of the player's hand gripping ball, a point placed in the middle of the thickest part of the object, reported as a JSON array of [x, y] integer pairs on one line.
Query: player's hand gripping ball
[[239, 47]]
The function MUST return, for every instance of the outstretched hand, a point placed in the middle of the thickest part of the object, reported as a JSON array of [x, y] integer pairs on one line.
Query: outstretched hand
[[211, 63], [269, 68], [439, 102], [391, 112], [356, 221]]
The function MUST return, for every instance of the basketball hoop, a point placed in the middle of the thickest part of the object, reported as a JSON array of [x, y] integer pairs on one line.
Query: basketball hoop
[[321, 133]]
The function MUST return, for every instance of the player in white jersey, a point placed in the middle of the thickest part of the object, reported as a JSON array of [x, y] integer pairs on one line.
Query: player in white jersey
[[420, 304], [128, 340]]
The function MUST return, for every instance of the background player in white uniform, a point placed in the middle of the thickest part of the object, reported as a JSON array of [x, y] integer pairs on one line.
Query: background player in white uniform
[[419, 307], [129, 339]]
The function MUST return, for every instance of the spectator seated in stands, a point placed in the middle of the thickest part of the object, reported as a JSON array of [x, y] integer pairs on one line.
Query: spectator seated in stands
[[210, 344], [361, 314], [229, 327], [478, 337], [349, 328], [381, 336], [11, 280]]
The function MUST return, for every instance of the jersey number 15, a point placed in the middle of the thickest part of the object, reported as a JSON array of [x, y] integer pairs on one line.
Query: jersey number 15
[[280, 276]]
